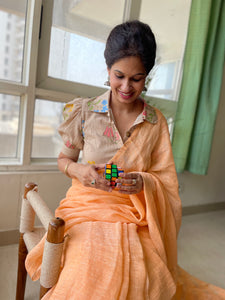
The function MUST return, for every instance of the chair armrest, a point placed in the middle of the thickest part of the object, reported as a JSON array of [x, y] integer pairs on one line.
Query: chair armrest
[[32, 204], [40, 207], [53, 249]]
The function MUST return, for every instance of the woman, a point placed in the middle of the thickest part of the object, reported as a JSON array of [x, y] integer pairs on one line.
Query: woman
[[122, 243], [128, 65]]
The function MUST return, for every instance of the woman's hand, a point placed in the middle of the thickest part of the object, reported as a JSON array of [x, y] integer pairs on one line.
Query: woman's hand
[[89, 176], [131, 183]]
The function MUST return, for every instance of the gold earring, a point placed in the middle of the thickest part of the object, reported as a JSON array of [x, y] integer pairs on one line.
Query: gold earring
[[145, 89], [107, 83]]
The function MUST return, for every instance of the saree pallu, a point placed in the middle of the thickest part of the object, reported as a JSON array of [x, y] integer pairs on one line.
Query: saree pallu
[[125, 246]]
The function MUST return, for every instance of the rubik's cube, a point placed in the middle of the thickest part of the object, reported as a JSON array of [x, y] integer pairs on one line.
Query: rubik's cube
[[112, 172]]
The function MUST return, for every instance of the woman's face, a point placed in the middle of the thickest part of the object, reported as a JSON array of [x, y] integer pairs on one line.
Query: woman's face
[[127, 79]]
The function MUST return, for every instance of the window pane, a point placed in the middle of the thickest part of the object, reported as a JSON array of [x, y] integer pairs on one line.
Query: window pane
[[9, 124], [12, 24], [162, 83], [78, 36], [169, 22], [46, 140]]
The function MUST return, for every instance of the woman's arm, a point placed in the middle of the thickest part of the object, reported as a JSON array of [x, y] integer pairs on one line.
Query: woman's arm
[[86, 174], [64, 163]]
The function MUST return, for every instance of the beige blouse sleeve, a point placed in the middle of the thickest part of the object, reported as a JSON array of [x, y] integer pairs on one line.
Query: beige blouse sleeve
[[71, 129]]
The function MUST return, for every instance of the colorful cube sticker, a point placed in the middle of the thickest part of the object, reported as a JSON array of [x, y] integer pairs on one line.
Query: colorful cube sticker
[[111, 173]]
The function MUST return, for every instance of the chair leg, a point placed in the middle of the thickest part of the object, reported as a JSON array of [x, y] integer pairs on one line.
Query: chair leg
[[43, 291], [21, 273]]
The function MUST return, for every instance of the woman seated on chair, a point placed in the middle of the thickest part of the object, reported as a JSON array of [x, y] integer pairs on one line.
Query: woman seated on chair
[[121, 242]]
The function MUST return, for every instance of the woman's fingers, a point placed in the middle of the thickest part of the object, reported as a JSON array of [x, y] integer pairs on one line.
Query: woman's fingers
[[98, 181], [99, 166], [102, 185], [130, 183]]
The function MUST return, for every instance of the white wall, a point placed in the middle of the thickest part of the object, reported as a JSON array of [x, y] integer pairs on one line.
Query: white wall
[[198, 189], [52, 188]]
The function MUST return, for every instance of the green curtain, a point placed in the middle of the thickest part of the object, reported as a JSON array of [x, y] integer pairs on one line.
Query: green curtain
[[201, 85]]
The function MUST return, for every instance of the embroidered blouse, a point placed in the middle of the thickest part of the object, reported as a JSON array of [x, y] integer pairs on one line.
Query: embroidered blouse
[[89, 126]]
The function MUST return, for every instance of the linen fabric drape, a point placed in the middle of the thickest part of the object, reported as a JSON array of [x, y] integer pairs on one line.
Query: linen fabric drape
[[201, 85], [125, 246]]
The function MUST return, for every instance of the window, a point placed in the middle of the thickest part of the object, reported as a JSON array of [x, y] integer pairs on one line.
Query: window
[[46, 140], [162, 82], [9, 42], [7, 38], [9, 24], [6, 61], [169, 22], [83, 59], [78, 34], [40, 71], [6, 49], [9, 125], [6, 73]]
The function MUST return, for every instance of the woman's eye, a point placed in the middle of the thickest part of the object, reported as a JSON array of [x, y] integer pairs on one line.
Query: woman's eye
[[132, 79]]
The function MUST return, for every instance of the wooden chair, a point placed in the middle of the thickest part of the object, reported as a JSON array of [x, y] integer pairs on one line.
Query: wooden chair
[[33, 204]]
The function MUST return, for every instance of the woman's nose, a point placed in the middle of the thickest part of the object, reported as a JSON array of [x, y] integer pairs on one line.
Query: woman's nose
[[126, 85]]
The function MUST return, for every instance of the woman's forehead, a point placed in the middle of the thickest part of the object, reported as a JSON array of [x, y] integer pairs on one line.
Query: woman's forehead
[[129, 65]]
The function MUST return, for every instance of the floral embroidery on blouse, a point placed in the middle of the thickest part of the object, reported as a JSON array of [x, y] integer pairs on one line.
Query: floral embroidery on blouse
[[112, 134], [98, 105], [149, 114], [69, 145], [67, 109]]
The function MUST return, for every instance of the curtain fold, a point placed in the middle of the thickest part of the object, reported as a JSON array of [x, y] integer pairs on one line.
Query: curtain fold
[[200, 88]]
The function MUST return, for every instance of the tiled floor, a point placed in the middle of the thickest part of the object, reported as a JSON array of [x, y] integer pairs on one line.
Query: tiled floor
[[201, 249], [8, 274], [201, 246]]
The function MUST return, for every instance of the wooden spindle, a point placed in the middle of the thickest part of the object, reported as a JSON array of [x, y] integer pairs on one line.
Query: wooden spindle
[[29, 187], [55, 235]]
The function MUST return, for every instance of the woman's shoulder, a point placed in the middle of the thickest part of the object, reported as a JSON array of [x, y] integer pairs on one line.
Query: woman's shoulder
[[92, 104], [153, 114], [72, 108], [98, 103]]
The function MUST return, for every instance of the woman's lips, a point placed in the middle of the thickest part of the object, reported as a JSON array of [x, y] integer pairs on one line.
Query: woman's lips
[[125, 95]]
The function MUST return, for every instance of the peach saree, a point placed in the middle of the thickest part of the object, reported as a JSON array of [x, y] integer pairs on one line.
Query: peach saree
[[124, 247]]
